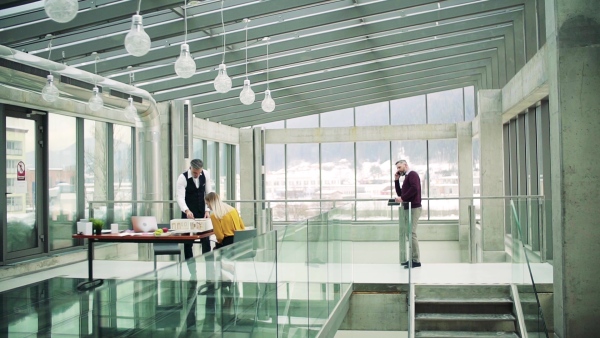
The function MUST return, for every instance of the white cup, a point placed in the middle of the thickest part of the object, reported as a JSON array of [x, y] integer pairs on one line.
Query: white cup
[[88, 229], [114, 228]]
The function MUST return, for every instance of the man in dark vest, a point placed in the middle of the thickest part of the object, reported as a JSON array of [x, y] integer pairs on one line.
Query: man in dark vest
[[192, 186]]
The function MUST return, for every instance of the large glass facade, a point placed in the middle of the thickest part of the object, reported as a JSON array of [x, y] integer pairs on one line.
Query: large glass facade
[[363, 170]]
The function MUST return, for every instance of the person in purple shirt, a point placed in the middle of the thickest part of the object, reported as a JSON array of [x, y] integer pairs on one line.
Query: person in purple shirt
[[410, 192]]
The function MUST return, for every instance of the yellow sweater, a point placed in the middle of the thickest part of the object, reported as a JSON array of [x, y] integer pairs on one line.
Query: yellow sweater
[[227, 225]]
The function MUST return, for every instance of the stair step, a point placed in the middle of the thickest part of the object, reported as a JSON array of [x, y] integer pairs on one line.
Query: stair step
[[463, 317], [465, 334], [499, 300]]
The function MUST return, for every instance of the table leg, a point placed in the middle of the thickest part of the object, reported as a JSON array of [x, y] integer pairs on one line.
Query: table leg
[[90, 260], [91, 282]]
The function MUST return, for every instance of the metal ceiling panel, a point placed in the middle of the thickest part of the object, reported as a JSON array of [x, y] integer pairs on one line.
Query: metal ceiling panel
[[323, 55]]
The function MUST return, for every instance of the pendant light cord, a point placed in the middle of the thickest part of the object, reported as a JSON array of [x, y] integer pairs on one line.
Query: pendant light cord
[[185, 20], [268, 63], [95, 70], [223, 26], [50, 47], [139, 7], [247, 49]]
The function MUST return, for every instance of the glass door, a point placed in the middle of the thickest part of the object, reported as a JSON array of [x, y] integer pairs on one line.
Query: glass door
[[24, 233]]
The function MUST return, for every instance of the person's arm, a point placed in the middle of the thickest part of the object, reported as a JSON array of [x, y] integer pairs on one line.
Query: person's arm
[[413, 180], [397, 186], [217, 228], [181, 184]]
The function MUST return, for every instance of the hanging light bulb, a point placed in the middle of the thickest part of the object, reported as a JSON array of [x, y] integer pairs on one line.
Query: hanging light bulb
[[50, 92], [137, 42], [61, 10], [222, 81], [185, 66], [247, 95], [268, 104], [95, 102], [130, 111]]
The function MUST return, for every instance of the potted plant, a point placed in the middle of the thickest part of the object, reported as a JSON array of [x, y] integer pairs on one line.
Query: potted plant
[[98, 225]]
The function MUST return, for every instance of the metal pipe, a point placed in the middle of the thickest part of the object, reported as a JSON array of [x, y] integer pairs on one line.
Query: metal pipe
[[149, 169]]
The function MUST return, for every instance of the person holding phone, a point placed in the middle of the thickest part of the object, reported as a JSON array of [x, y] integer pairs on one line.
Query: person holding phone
[[410, 192]]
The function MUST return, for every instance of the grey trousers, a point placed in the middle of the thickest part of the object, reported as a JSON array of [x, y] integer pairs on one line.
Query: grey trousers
[[415, 214]]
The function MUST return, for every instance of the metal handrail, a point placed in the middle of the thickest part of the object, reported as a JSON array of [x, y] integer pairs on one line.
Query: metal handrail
[[337, 200]]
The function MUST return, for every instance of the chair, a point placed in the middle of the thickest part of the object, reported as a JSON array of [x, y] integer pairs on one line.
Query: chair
[[166, 249]]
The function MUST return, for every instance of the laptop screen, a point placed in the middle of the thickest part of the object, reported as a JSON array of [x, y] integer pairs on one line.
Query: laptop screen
[[144, 223]]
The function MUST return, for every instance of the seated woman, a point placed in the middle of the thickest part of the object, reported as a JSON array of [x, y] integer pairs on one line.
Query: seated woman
[[225, 219]]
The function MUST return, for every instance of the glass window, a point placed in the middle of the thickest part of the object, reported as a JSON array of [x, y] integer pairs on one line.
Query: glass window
[[62, 180], [338, 118], [123, 172], [337, 171], [198, 149], [445, 107], [272, 125], [95, 166], [376, 114], [302, 166], [223, 155], [443, 178], [372, 179], [476, 179], [469, 103], [409, 110], [310, 121], [210, 163]]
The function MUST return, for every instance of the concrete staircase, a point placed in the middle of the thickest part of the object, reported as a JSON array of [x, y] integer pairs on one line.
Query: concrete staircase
[[464, 311]]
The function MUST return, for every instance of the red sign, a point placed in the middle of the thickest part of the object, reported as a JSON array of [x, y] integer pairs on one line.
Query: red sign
[[21, 171]]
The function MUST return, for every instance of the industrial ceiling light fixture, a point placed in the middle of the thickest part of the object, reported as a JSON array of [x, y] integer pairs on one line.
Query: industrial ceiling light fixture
[[137, 41], [95, 102], [50, 92], [185, 66], [130, 111], [247, 95], [222, 81], [61, 10], [268, 104]]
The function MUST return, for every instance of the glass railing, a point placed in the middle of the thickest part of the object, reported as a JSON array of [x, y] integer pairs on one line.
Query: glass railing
[[284, 283], [526, 268]]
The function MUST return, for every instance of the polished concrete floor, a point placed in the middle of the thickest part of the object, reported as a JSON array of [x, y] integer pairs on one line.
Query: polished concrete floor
[[134, 302]]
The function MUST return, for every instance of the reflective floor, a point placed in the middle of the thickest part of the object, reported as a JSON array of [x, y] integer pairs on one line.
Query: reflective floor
[[161, 308], [133, 302]]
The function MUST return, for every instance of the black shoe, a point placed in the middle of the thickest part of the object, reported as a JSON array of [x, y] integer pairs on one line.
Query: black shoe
[[404, 263], [414, 265]]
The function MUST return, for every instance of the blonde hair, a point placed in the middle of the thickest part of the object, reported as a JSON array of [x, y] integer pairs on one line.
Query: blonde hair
[[218, 208]]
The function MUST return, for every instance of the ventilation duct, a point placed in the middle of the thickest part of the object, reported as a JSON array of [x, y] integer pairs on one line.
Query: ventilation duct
[[25, 71]]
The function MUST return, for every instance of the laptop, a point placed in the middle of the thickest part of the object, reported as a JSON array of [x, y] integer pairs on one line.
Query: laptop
[[144, 223]]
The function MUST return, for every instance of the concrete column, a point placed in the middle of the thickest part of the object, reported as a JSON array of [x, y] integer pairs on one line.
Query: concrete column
[[247, 182], [465, 188], [573, 39], [492, 211]]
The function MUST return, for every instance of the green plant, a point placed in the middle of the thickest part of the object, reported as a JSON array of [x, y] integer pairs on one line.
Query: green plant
[[97, 224]]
